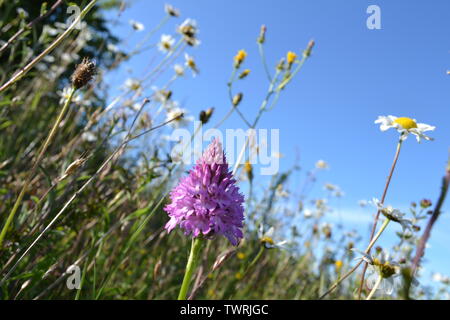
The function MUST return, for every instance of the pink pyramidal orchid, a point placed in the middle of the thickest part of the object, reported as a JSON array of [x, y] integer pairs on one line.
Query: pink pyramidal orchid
[[207, 202]]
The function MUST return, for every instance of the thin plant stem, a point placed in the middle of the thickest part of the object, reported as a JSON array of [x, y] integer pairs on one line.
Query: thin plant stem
[[255, 260], [190, 267], [420, 251], [375, 287], [151, 33], [233, 107], [263, 107], [373, 238], [339, 281], [36, 164], [383, 197], [369, 247], [263, 60]]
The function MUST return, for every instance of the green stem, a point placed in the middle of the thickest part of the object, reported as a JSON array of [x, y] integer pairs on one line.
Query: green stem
[[383, 197], [263, 60], [36, 165], [258, 256], [375, 287], [190, 267], [375, 238]]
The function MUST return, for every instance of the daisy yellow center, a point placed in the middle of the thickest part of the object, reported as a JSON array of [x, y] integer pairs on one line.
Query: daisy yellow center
[[406, 123], [191, 63], [268, 240], [248, 167]]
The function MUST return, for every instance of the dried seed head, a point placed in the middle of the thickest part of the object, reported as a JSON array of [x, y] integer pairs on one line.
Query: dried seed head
[[84, 73], [72, 168], [222, 258], [156, 269]]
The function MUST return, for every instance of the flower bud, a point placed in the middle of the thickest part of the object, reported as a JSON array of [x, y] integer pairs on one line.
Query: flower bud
[[244, 74], [262, 34], [425, 203], [206, 115], [237, 99], [171, 11], [239, 58], [308, 49]]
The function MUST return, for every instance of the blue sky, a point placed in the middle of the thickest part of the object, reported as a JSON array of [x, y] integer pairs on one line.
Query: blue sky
[[327, 112]]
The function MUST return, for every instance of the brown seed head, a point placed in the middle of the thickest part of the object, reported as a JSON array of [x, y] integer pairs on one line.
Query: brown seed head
[[84, 73]]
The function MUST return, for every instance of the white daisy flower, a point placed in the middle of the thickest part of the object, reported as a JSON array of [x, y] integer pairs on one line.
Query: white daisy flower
[[162, 96], [133, 84], [171, 11], [437, 277], [88, 136], [281, 192], [189, 31], [137, 25], [22, 13], [405, 126], [64, 95], [112, 48], [266, 238], [392, 214], [383, 266], [166, 43], [179, 69], [321, 164], [307, 213], [188, 28], [190, 63], [181, 121]]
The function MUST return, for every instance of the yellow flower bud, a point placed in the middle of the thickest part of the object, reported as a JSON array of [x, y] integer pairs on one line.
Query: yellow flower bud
[[244, 74], [239, 58]]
